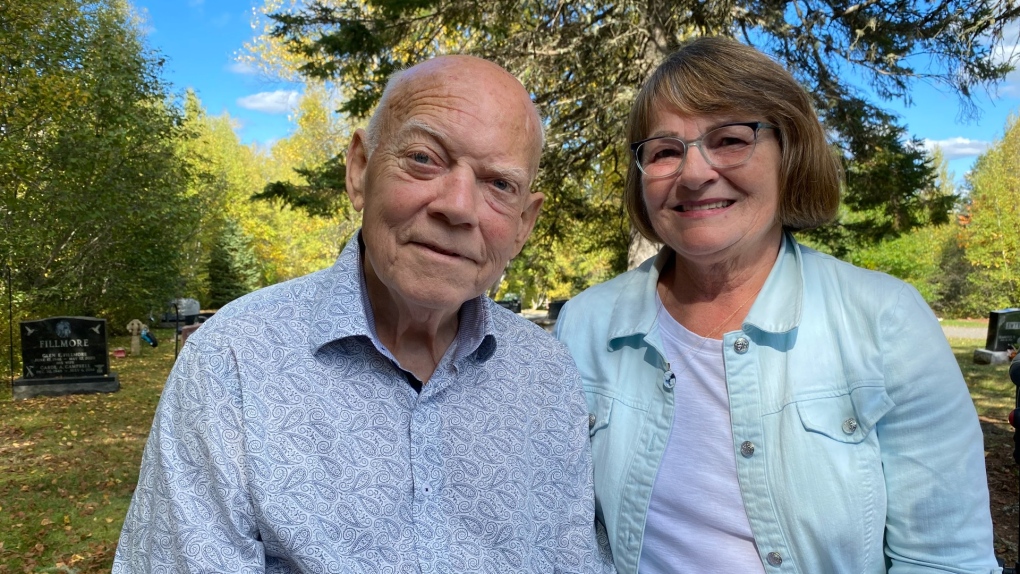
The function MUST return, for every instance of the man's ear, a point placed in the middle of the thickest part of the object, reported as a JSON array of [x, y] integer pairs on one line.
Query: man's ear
[[528, 218], [357, 166]]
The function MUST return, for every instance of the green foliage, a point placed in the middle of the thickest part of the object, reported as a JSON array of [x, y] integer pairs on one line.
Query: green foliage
[[931, 258], [233, 268], [992, 238], [321, 196], [91, 192], [223, 175], [583, 62]]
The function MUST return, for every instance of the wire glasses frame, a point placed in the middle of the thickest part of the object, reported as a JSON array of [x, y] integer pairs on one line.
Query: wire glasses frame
[[728, 145]]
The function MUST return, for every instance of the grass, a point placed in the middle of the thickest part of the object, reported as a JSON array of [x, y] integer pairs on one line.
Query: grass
[[68, 465], [978, 323], [989, 385]]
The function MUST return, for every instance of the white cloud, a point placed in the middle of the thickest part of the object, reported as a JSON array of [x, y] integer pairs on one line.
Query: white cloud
[[277, 102], [1011, 85], [956, 148], [1009, 51], [242, 68]]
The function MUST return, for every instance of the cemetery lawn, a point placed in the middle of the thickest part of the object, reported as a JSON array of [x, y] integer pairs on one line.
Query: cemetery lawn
[[68, 465]]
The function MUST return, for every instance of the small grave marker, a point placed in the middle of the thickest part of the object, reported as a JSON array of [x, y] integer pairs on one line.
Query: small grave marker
[[135, 327]]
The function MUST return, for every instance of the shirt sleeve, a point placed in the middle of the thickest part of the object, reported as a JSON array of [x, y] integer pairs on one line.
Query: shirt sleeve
[[190, 511], [938, 517], [586, 539]]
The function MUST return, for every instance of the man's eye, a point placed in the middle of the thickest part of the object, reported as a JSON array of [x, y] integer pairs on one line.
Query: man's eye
[[502, 185], [421, 157]]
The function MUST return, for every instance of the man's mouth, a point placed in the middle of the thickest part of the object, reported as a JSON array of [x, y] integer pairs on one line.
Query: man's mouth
[[440, 250], [683, 208]]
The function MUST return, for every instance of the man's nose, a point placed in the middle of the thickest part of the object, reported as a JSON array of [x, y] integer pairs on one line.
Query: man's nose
[[456, 201]]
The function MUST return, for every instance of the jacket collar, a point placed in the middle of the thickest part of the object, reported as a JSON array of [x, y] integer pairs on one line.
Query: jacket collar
[[778, 307], [776, 310]]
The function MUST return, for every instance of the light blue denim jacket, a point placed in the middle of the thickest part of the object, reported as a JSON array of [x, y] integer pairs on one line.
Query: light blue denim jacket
[[857, 444]]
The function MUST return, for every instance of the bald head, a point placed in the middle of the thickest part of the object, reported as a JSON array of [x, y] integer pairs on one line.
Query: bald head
[[405, 87]]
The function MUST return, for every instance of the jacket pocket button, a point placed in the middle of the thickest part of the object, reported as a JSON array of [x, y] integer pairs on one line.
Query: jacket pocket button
[[591, 420], [850, 425], [774, 558]]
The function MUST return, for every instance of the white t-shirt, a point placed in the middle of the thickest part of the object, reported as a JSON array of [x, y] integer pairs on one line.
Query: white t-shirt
[[696, 520]]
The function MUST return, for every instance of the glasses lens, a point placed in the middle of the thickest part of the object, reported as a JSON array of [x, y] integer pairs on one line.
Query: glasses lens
[[661, 156], [729, 145]]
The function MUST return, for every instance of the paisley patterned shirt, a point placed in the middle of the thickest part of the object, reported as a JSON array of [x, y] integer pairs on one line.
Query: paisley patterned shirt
[[288, 440]]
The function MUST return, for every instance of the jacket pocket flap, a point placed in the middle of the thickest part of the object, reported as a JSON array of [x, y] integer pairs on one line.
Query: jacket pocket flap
[[845, 418]]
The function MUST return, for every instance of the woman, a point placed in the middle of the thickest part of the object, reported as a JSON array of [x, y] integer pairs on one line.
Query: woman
[[757, 406]]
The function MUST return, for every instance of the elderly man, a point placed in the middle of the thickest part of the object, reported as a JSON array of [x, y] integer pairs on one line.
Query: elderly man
[[381, 415]]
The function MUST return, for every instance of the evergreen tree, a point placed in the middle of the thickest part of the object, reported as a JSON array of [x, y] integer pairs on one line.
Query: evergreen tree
[[233, 267]]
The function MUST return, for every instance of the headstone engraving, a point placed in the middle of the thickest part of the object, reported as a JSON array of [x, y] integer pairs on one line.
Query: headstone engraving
[[64, 355]]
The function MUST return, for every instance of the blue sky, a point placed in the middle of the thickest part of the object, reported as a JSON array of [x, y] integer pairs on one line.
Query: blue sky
[[200, 39]]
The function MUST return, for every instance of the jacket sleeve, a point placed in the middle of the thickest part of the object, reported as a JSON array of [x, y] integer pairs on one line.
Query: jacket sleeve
[[190, 511], [938, 517]]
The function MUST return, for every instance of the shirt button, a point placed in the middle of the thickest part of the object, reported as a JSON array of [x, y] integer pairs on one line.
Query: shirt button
[[591, 420], [774, 558], [850, 425], [747, 449], [741, 345]]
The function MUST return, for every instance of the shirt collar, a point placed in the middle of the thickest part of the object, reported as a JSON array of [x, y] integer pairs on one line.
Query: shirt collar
[[341, 309]]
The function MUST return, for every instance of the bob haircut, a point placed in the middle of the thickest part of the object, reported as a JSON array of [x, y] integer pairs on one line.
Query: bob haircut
[[720, 76]]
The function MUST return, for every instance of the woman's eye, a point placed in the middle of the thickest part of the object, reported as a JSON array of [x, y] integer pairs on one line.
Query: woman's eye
[[667, 153], [731, 142]]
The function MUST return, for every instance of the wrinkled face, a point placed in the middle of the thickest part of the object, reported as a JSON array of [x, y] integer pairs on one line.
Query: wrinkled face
[[446, 193], [708, 214]]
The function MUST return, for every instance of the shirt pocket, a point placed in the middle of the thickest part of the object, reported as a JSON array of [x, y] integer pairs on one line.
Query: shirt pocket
[[848, 418]]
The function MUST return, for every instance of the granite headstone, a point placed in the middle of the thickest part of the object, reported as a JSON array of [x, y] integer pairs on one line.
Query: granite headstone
[[1003, 329], [64, 355]]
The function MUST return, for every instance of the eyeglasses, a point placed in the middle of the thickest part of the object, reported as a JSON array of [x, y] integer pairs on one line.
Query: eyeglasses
[[725, 146]]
